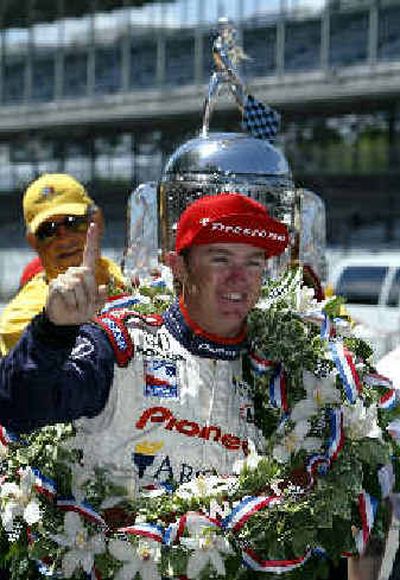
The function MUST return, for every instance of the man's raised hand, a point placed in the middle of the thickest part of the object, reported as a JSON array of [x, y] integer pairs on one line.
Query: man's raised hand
[[74, 296]]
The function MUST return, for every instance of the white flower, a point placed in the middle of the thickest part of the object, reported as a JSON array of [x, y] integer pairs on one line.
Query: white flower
[[249, 462], [219, 510], [143, 299], [393, 429], [19, 500], [320, 392], [344, 327], [164, 298], [277, 486], [361, 421], [3, 451], [208, 547], [83, 547], [295, 440], [79, 476], [306, 301], [210, 486], [140, 559]]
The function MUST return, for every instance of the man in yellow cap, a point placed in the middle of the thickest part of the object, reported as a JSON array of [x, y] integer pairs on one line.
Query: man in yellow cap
[[57, 212]]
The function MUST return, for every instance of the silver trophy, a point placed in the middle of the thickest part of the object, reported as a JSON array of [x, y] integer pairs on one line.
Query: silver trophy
[[214, 163], [244, 162]]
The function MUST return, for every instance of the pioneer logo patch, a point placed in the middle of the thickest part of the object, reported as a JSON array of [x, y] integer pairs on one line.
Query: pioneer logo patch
[[191, 429]]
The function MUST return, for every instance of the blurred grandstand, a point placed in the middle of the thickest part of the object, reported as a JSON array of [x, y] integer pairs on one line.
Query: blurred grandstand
[[105, 90]]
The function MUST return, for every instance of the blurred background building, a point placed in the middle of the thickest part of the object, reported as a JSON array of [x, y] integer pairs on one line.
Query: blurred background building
[[106, 89]]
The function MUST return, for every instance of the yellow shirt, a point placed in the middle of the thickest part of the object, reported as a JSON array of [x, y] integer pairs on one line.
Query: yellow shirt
[[31, 300]]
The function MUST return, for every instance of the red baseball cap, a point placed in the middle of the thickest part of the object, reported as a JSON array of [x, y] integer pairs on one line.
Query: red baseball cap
[[230, 218]]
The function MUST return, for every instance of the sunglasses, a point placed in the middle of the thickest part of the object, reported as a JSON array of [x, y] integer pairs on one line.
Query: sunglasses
[[47, 231]]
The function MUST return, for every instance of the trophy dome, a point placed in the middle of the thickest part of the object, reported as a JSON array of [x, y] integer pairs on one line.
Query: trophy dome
[[224, 162], [226, 154]]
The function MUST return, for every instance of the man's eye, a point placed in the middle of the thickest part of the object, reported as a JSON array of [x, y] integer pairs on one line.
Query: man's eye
[[256, 264], [219, 259]]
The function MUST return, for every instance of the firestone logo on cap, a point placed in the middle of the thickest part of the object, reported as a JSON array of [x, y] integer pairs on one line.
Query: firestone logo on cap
[[241, 231]]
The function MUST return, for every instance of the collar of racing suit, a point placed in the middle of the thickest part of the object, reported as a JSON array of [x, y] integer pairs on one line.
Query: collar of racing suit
[[199, 342]]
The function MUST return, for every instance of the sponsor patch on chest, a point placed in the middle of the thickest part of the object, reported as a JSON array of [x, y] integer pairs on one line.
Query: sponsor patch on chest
[[160, 378]]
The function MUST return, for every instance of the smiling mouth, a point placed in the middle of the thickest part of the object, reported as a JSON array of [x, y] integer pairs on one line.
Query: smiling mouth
[[233, 296]]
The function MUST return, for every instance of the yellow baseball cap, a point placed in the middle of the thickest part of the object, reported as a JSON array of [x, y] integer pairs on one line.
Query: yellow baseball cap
[[54, 194]]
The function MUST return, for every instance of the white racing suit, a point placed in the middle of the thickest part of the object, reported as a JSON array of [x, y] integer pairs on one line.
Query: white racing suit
[[179, 409]]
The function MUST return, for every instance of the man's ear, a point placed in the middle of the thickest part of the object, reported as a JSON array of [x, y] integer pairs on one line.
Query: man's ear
[[177, 264]]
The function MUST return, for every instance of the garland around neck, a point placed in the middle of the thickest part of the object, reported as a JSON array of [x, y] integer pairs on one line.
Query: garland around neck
[[318, 492]]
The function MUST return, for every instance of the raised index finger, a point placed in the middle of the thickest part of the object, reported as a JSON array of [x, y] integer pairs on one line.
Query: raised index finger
[[92, 249]]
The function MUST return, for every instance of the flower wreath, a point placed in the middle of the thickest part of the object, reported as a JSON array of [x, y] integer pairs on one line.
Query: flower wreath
[[318, 493]]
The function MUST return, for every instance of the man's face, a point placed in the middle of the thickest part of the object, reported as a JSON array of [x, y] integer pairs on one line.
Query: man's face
[[222, 283], [60, 241]]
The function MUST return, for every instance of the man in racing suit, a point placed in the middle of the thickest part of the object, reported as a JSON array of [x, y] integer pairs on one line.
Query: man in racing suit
[[174, 405]]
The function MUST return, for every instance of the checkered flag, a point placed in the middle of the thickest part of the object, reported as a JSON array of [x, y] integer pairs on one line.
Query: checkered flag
[[260, 120]]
